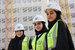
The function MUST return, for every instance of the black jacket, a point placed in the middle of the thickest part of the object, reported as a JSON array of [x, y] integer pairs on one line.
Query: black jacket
[[64, 40], [16, 43]]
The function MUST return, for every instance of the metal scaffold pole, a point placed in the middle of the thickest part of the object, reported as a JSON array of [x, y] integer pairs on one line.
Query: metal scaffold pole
[[67, 14], [60, 3], [12, 30], [6, 28], [68, 17]]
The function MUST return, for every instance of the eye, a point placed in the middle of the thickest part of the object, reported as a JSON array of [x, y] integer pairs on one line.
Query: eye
[[51, 12], [39, 23], [20, 30], [47, 13], [16, 31], [34, 24]]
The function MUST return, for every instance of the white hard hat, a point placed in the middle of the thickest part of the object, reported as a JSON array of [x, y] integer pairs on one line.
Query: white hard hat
[[38, 18], [53, 5], [19, 27]]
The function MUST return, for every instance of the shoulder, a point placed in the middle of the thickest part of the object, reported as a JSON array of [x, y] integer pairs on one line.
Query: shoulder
[[12, 40], [62, 24]]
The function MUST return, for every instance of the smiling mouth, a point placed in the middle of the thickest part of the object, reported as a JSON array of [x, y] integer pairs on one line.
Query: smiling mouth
[[50, 18]]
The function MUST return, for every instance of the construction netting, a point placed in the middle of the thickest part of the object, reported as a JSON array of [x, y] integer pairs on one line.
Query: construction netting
[[23, 11]]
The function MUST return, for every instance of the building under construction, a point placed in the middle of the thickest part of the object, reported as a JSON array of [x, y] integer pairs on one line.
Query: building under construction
[[23, 11]]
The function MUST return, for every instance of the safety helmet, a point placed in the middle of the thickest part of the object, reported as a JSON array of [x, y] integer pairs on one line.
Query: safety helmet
[[53, 5], [38, 18], [19, 27]]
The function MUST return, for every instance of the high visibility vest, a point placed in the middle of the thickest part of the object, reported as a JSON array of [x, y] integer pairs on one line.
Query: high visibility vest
[[40, 43], [25, 43], [52, 36]]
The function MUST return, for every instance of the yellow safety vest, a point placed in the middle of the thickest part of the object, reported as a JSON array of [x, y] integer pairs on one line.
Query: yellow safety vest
[[40, 43], [52, 36], [25, 43]]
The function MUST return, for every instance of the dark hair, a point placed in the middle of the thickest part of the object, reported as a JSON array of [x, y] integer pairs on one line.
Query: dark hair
[[3, 49], [58, 13], [23, 31]]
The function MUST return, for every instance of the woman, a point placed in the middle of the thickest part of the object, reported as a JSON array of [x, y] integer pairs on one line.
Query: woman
[[39, 40], [18, 43], [58, 37]]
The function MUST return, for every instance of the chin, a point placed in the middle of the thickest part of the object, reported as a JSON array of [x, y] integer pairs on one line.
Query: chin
[[38, 30], [50, 20], [18, 36]]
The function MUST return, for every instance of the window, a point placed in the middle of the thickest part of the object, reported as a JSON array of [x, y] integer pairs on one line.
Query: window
[[73, 25], [34, 9], [3, 21], [25, 19], [3, 40], [15, 19], [39, 8], [29, 9], [73, 15], [14, 10], [30, 28], [71, 5], [30, 18], [25, 9], [26, 28], [3, 30], [3, 11]]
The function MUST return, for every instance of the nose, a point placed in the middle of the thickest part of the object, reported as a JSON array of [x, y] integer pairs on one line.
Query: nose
[[48, 15], [36, 25]]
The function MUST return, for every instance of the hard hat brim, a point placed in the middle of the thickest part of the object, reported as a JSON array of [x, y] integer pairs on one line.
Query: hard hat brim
[[18, 29], [52, 9], [38, 21]]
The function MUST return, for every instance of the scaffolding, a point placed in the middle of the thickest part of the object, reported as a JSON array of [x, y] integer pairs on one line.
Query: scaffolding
[[7, 3], [61, 3], [20, 11], [6, 29]]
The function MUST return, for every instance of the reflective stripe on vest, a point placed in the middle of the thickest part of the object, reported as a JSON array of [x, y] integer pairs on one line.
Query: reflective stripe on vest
[[25, 43], [52, 36], [41, 44]]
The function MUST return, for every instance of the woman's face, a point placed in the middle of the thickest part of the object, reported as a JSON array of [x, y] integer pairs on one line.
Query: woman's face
[[38, 26], [51, 15], [19, 33]]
